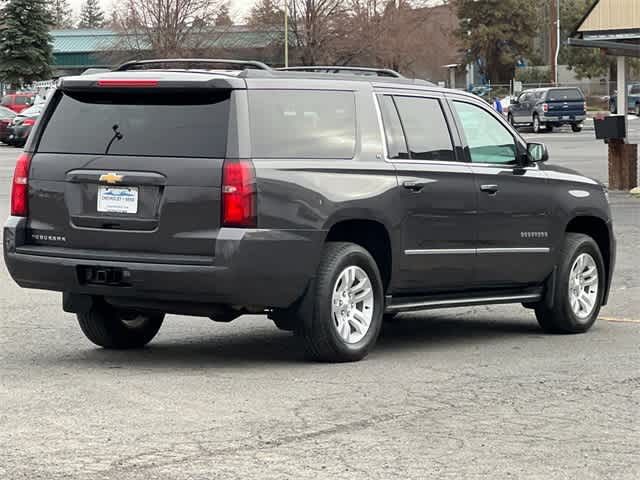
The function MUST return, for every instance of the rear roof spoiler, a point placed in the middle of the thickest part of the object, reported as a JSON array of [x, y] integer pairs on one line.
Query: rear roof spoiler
[[150, 81]]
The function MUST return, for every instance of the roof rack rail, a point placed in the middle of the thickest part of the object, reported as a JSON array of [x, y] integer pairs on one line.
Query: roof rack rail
[[380, 72], [161, 62]]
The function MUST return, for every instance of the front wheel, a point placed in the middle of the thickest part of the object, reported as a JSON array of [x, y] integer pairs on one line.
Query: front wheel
[[341, 314], [576, 127], [578, 290], [112, 328]]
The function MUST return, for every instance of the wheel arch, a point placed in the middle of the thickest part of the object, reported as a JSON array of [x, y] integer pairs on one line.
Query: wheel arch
[[598, 229], [372, 235]]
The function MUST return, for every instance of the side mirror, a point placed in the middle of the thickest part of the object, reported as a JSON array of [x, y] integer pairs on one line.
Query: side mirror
[[537, 152]]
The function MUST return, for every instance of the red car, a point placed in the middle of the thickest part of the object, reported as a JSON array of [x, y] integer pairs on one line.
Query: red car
[[6, 118], [18, 101]]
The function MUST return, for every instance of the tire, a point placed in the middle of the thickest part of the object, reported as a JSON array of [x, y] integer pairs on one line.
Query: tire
[[320, 322], [638, 109], [576, 127], [510, 120], [110, 328], [537, 126], [562, 318], [613, 108]]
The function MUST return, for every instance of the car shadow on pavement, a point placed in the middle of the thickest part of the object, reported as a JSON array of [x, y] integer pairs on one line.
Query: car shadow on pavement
[[269, 347], [414, 331]]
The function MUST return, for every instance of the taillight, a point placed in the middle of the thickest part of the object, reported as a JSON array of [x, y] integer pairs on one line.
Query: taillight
[[239, 194], [545, 107], [19, 188], [29, 122], [127, 83]]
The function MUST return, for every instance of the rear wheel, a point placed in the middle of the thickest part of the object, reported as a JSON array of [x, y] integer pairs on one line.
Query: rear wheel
[[112, 328], [341, 314], [576, 127], [579, 288], [537, 126], [638, 109]]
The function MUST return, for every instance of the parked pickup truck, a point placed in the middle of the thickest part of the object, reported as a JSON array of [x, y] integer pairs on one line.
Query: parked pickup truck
[[546, 108], [633, 100]]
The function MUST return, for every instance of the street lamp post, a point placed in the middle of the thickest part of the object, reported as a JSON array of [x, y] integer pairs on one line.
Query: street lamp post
[[286, 35], [555, 40]]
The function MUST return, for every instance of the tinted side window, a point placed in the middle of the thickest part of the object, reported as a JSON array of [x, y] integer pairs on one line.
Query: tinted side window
[[426, 129], [302, 124], [635, 90], [396, 144], [154, 124], [488, 140], [22, 100]]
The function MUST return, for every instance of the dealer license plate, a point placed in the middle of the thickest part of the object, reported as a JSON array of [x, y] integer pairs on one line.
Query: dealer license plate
[[118, 199]]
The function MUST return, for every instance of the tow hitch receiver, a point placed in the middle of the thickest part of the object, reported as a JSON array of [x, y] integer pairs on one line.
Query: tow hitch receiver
[[103, 276]]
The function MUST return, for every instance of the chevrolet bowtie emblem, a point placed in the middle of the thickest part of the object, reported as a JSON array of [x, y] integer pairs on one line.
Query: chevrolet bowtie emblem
[[111, 178]]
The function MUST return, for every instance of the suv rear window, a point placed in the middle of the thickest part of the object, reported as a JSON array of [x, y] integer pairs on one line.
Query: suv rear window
[[163, 124], [565, 95], [302, 124]]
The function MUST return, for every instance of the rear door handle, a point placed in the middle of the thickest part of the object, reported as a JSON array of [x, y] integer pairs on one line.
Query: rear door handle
[[413, 186], [490, 189]]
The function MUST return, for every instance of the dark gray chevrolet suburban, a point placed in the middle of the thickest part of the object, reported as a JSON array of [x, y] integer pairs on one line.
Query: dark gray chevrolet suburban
[[328, 202]]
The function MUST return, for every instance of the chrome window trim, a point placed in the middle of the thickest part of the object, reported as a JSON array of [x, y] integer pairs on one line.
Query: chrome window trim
[[385, 152]]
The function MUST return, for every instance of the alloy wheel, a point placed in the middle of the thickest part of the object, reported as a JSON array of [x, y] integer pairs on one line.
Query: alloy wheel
[[583, 286], [352, 304]]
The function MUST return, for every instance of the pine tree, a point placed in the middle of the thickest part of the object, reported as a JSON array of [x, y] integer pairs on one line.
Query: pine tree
[[223, 19], [498, 32], [91, 15], [265, 13], [26, 53], [61, 13]]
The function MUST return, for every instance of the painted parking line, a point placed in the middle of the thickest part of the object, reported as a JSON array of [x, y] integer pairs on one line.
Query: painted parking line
[[620, 320]]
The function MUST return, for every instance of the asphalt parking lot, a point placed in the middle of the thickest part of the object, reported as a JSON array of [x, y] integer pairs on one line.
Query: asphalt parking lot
[[459, 393]]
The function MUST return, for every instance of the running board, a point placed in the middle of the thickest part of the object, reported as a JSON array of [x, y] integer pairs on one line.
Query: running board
[[396, 305]]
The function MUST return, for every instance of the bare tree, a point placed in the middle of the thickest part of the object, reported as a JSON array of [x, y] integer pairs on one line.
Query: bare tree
[[316, 26], [166, 28]]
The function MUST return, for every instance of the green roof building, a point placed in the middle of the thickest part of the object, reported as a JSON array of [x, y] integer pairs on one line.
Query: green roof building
[[76, 50]]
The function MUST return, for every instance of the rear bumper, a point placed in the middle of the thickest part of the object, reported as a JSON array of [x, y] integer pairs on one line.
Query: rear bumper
[[251, 267], [563, 119]]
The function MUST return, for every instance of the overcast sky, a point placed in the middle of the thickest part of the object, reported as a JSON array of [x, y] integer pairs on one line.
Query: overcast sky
[[239, 8]]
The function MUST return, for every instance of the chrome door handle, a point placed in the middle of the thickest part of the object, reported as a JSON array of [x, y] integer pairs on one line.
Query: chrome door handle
[[490, 189], [413, 186]]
